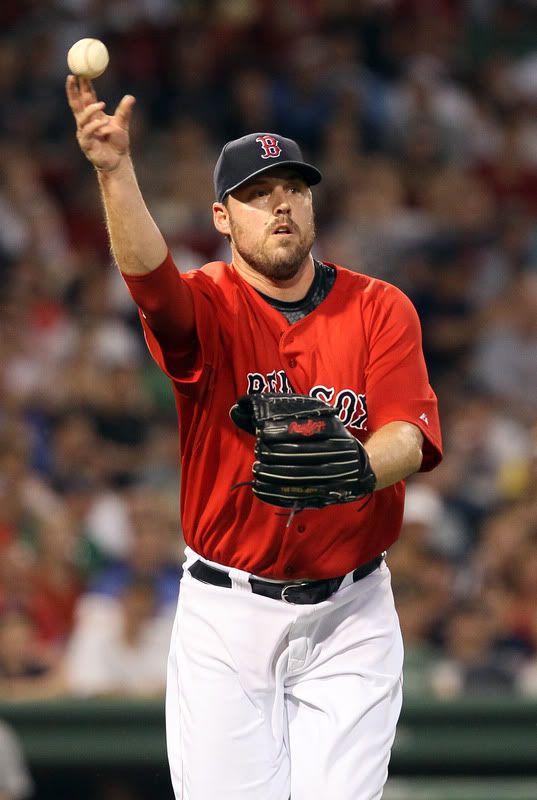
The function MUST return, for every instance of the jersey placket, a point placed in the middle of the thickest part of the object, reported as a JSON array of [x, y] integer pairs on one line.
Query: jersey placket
[[290, 352]]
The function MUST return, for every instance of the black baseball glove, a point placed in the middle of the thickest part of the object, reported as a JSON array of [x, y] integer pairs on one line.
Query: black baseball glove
[[305, 457]]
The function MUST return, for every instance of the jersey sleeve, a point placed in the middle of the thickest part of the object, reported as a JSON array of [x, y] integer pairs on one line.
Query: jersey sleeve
[[397, 384], [174, 320]]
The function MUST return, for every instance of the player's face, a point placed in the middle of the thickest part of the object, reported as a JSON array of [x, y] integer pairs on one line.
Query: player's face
[[271, 223]]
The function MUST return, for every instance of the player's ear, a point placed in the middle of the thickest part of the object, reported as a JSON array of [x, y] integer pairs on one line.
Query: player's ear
[[221, 218]]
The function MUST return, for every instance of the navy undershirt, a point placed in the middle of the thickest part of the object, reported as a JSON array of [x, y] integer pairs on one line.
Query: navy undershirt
[[323, 281]]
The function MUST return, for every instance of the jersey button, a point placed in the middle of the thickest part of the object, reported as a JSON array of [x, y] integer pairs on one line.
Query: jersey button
[[292, 362], [301, 528], [289, 570]]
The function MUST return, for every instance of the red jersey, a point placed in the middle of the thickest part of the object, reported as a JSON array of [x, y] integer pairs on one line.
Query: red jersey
[[359, 350]]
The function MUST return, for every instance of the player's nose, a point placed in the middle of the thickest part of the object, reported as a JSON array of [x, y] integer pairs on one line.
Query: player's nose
[[281, 202], [283, 208]]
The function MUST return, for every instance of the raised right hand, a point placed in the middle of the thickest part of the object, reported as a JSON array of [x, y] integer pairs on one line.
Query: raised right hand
[[103, 139]]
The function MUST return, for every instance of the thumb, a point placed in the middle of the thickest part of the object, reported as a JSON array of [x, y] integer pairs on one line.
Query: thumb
[[123, 112]]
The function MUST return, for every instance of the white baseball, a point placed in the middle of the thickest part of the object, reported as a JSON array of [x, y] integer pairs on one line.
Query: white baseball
[[88, 58]]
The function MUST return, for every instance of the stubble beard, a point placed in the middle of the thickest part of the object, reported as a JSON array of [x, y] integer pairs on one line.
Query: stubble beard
[[278, 264]]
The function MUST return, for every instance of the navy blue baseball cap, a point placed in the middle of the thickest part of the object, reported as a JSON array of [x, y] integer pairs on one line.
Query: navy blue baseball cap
[[242, 159]]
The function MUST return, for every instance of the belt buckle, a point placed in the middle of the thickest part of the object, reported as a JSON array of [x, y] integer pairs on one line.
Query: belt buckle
[[291, 586]]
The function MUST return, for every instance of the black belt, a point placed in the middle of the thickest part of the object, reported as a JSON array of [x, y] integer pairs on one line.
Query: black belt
[[299, 592]]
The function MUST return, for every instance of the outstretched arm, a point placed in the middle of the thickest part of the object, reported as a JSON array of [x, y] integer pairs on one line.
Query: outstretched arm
[[137, 244]]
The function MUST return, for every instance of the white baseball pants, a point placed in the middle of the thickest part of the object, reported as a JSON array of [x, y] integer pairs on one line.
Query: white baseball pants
[[266, 699]]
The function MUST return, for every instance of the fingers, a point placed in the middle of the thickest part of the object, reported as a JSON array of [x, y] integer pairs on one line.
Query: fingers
[[84, 104], [86, 90], [84, 116], [123, 112], [73, 94], [92, 128], [80, 93]]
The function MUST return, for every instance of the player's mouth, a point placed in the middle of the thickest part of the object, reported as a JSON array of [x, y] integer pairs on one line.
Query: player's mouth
[[282, 230]]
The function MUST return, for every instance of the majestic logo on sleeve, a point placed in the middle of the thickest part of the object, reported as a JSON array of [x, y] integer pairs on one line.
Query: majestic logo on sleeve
[[351, 405], [271, 148]]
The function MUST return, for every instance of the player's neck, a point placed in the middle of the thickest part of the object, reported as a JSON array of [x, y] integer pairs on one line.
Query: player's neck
[[289, 290]]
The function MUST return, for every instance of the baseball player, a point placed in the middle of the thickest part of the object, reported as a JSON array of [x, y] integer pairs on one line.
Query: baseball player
[[303, 403]]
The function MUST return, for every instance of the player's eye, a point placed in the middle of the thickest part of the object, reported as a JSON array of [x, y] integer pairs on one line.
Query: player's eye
[[256, 195]]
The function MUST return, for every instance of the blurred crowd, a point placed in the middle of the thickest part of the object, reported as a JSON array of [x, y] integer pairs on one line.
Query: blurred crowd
[[422, 118]]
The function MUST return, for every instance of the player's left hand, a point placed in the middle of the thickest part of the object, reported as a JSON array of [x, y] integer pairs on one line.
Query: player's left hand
[[305, 457]]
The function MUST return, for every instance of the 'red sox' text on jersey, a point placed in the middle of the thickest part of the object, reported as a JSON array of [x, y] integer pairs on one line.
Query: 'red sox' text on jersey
[[359, 350]]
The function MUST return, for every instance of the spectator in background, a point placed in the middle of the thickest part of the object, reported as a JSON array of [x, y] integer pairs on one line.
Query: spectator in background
[[487, 460], [521, 574], [18, 656], [430, 524], [183, 196], [505, 354], [373, 226], [75, 448], [24, 675], [152, 554], [17, 563], [56, 584], [30, 219], [359, 96], [424, 564], [472, 661], [121, 419], [426, 102], [523, 613], [15, 780], [417, 618], [190, 82], [25, 499], [251, 103], [511, 174], [120, 643]]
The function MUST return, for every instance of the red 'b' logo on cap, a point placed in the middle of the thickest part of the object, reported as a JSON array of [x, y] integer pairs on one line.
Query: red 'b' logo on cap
[[271, 148]]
